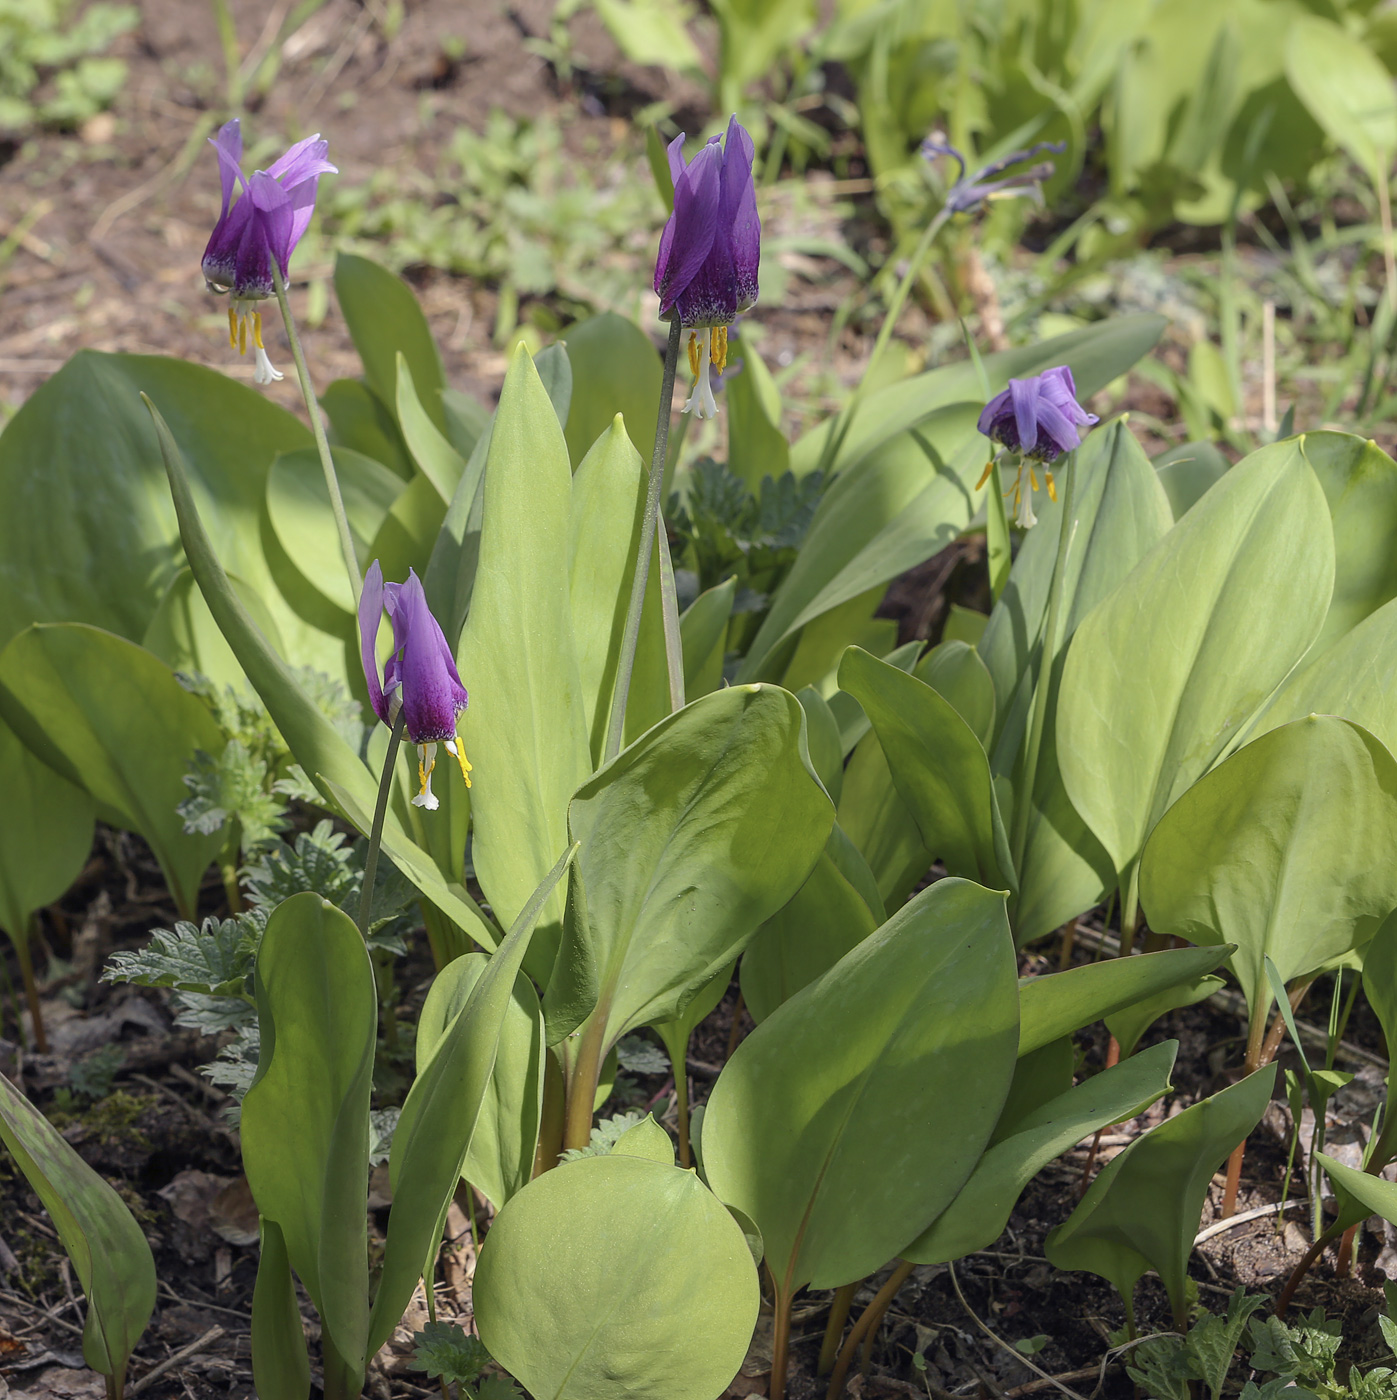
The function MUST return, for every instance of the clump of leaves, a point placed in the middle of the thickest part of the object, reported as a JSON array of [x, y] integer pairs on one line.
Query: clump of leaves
[[445, 1351], [641, 1056], [1165, 1367], [606, 1135], [47, 39]]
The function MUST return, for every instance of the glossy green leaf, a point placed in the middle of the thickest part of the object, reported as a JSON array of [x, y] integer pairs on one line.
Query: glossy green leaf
[[280, 1361], [615, 369], [617, 1276], [298, 507], [956, 672], [1129, 1024], [978, 1215], [824, 640], [853, 723], [1242, 584], [938, 765], [822, 741], [526, 729], [1143, 1209], [305, 1120], [109, 1253], [185, 637], [385, 321], [45, 834], [680, 863], [1360, 1193], [1186, 472], [836, 908], [1284, 850], [851, 1117], [647, 1140], [1346, 90], [1062, 1002], [431, 449], [113, 719], [500, 1159], [441, 1111], [703, 630], [360, 421]]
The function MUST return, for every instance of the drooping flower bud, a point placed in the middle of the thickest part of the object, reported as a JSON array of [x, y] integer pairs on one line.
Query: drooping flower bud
[[710, 250], [419, 679], [267, 221]]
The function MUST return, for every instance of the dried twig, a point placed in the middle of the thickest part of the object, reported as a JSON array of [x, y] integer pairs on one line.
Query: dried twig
[[170, 1362]]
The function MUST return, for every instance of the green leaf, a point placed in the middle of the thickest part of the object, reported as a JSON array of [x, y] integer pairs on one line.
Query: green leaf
[[45, 835], [679, 865], [617, 1275], [305, 1120], [500, 1159], [1380, 977], [703, 630], [298, 507], [431, 449], [978, 1215], [213, 958], [647, 1140], [1062, 1002], [440, 1114], [1282, 850], [444, 1349], [1244, 580], [756, 445], [956, 672], [526, 729], [1143, 1209], [112, 719], [280, 1363], [938, 765], [1186, 472], [1346, 90], [185, 637], [823, 741], [851, 1117], [1131, 1023], [385, 321], [651, 32], [408, 535], [109, 1253], [361, 421], [615, 369]]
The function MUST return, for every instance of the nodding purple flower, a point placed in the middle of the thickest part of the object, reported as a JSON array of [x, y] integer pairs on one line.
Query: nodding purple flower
[[969, 191], [419, 679], [706, 271], [1038, 419], [271, 213]]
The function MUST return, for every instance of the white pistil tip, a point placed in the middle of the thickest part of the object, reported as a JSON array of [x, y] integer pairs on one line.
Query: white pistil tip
[[701, 402], [267, 373], [1024, 517]]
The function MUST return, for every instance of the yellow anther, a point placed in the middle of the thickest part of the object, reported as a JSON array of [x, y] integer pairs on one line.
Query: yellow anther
[[242, 335], [1052, 490], [693, 354], [985, 475], [257, 330], [463, 761], [424, 772], [1033, 477], [718, 347], [232, 328]]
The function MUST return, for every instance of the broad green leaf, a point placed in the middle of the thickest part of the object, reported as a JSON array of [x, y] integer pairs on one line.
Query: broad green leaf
[[956, 672], [467, 420], [851, 1117], [305, 1120], [651, 32], [86, 531], [703, 630], [647, 1140], [613, 1276], [938, 765], [826, 917], [1129, 1024], [500, 1159], [853, 723], [555, 370], [1360, 1193], [440, 1114], [1186, 472], [385, 321], [615, 369], [1062, 1002], [408, 535], [1346, 89], [1240, 587], [109, 1253], [1143, 1209], [298, 507], [964, 625], [978, 1215], [526, 729], [112, 719], [45, 835], [431, 449], [675, 1034], [824, 640], [313, 740], [822, 741], [361, 421], [1380, 978], [280, 1361], [1284, 850], [679, 862], [756, 445], [185, 637]]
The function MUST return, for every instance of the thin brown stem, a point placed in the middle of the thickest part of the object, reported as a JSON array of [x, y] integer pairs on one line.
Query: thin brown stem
[[1302, 1268], [1113, 1058], [868, 1322], [839, 1308], [583, 1079], [1069, 941], [1345, 1259], [780, 1342]]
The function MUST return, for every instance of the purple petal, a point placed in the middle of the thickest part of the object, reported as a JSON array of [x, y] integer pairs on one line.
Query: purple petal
[[228, 145], [370, 615], [675, 151], [992, 411], [739, 213], [220, 262], [1056, 424], [276, 215], [1023, 393], [695, 224], [432, 691], [304, 161]]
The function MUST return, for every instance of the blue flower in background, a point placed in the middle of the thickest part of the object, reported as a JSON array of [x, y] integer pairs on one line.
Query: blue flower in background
[[706, 271], [272, 212], [990, 182], [1038, 418], [420, 679]]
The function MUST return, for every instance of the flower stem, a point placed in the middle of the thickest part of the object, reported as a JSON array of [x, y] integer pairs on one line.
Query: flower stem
[[631, 636], [322, 445], [845, 419], [1047, 655], [385, 785], [669, 612]]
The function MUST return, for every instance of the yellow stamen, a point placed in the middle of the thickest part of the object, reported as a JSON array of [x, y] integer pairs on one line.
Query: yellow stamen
[[718, 348], [424, 773], [1052, 490], [463, 760], [1033, 477], [232, 328], [693, 354], [242, 335], [257, 330], [985, 475]]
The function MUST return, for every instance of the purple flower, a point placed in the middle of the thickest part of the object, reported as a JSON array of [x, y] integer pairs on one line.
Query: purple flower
[[969, 191], [272, 212], [419, 679], [706, 271], [1038, 419]]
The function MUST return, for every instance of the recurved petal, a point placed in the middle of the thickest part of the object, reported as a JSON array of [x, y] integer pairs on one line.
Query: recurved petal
[[695, 225], [304, 161], [370, 614], [990, 415], [276, 216], [228, 146]]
